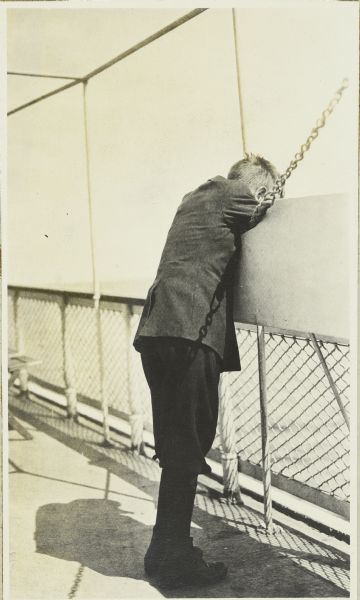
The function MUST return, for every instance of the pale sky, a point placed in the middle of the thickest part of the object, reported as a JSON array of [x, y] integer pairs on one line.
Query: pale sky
[[161, 122]]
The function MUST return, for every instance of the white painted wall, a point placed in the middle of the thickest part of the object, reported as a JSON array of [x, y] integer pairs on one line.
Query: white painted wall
[[303, 283]]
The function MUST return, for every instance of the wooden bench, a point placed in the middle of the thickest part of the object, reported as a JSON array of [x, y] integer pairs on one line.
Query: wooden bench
[[18, 366]]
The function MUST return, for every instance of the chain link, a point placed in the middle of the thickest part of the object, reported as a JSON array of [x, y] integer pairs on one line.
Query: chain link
[[280, 182]]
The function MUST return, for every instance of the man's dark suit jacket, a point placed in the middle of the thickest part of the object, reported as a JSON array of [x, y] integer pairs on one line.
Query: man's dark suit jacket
[[191, 297]]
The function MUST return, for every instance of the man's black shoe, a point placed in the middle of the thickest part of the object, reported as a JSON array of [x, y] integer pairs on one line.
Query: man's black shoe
[[184, 565], [158, 548]]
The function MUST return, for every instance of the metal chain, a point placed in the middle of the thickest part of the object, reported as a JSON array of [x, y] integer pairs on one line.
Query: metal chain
[[280, 182]]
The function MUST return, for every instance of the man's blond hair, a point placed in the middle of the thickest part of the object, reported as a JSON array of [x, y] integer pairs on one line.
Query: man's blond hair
[[255, 171]]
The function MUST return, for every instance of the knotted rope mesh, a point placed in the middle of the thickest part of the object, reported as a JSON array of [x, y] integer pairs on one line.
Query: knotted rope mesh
[[309, 439]]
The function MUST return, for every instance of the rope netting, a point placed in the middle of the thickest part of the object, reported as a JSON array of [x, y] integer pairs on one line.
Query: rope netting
[[308, 435], [309, 439]]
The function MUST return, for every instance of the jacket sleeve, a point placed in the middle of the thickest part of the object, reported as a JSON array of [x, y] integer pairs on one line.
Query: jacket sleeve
[[238, 210]]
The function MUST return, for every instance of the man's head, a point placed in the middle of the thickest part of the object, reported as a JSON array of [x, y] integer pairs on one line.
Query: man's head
[[256, 172]]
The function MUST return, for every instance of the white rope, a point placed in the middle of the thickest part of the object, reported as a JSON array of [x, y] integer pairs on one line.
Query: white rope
[[96, 285], [237, 57]]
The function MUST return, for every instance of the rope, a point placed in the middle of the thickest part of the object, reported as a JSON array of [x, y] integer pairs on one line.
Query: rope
[[146, 41], [270, 196], [96, 285], [136, 418], [237, 57], [229, 458], [43, 75], [113, 61], [100, 348], [265, 444], [67, 86]]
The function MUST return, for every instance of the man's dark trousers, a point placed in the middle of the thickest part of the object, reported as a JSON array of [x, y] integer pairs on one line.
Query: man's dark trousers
[[183, 378]]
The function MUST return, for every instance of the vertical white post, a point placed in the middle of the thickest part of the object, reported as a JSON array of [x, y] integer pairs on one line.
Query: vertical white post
[[20, 346], [266, 458], [19, 339], [103, 395], [229, 457], [96, 285], [68, 364], [136, 417]]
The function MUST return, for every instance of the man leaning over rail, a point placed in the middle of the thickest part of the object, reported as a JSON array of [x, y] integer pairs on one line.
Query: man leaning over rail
[[186, 337]]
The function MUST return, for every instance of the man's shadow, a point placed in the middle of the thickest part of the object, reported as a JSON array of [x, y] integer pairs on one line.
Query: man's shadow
[[101, 536], [96, 533]]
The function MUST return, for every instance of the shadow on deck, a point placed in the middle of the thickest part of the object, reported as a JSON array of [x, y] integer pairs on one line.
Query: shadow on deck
[[82, 515]]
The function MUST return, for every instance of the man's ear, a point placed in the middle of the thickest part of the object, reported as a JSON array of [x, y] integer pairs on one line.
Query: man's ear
[[260, 192]]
